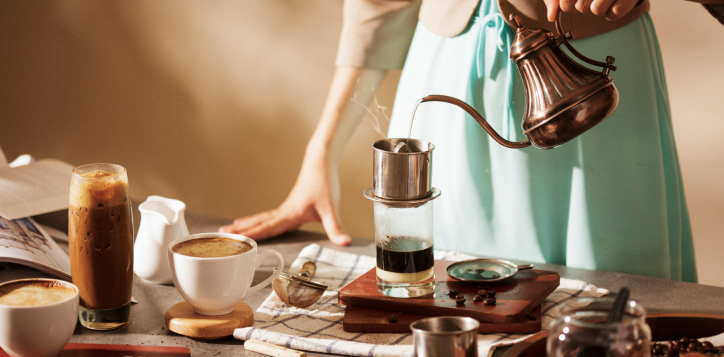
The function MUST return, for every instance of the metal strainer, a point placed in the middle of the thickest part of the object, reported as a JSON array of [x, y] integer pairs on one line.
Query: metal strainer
[[299, 290]]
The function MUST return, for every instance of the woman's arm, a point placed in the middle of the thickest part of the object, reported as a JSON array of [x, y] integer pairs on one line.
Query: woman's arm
[[315, 195], [375, 37]]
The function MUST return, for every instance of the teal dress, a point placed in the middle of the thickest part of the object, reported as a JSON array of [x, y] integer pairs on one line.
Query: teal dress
[[611, 199]]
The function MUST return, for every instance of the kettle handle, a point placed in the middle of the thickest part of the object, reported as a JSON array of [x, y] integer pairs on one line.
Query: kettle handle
[[479, 118], [608, 65]]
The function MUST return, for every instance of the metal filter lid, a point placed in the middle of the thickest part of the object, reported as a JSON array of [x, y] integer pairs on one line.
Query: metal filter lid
[[484, 270]]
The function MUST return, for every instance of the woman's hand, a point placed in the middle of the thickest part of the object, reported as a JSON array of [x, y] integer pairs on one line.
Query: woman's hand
[[610, 9], [315, 195], [314, 198]]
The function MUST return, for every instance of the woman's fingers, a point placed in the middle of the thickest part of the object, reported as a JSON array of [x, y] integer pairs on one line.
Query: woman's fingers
[[600, 7], [332, 225], [289, 217], [610, 9], [275, 222], [620, 8], [567, 6], [272, 227], [583, 6], [265, 224], [251, 221], [552, 9]]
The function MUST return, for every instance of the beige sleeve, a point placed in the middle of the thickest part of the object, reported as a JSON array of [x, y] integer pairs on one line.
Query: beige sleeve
[[377, 33]]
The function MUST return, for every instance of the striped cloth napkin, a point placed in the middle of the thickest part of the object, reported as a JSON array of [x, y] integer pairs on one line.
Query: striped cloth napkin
[[318, 328]]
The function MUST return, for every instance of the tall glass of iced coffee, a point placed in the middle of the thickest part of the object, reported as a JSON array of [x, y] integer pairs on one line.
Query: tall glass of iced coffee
[[100, 230]]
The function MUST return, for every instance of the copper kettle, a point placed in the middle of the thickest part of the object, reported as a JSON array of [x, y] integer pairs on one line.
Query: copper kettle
[[563, 98]]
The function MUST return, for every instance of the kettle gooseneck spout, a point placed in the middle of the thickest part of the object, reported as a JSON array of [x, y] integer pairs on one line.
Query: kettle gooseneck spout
[[479, 118]]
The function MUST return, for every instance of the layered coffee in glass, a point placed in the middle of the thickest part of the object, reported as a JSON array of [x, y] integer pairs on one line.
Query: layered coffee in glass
[[403, 214]]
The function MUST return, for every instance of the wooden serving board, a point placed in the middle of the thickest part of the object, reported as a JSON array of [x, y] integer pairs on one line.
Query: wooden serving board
[[357, 319], [516, 297]]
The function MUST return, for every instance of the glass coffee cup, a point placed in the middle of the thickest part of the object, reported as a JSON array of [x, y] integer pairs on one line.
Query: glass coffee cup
[[100, 232]]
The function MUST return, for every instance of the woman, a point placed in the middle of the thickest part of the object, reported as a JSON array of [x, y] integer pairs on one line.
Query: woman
[[611, 199]]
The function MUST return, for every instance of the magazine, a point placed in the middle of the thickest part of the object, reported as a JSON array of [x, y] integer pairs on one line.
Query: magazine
[[24, 242]]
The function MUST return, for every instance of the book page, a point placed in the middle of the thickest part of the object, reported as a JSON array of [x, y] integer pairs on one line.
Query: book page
[[23, 242], [39, 187]]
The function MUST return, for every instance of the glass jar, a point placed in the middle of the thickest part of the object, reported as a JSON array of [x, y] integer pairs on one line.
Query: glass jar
[[582, 323], [405, 256]]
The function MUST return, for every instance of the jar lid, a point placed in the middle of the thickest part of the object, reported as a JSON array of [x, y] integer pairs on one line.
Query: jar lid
[[484, 270]]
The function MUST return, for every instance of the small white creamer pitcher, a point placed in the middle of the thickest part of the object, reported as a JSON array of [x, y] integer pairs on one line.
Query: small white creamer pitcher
[[162, 221]]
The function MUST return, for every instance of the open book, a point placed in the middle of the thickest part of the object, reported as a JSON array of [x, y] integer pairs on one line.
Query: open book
[[35, 188], [24, 242]]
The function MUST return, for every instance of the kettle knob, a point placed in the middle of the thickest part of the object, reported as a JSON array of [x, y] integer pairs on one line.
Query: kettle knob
[[515, 20]]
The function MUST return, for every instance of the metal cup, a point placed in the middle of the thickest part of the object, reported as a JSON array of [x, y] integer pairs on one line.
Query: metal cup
[[453, 336], [402, 171]]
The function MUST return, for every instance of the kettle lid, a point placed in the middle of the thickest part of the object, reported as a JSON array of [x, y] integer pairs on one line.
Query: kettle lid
[[527, 40]]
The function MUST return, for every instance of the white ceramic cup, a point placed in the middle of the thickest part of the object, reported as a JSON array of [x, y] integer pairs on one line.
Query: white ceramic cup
[[38, 331], [213, 286]]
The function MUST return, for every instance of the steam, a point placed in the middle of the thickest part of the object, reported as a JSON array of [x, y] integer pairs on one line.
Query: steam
[[375, 111]]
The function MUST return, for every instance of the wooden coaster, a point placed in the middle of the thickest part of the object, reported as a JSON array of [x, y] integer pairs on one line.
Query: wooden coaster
[[182, 319]]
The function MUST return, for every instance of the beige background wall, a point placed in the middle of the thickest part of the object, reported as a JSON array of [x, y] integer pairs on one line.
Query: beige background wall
[[212, 102]]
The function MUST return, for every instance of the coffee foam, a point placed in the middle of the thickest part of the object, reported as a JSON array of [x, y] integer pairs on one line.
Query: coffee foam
[[99, 187], [35, 293], [211, 247]]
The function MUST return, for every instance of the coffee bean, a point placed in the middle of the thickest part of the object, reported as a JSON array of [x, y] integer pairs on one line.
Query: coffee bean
[[453, 292], [478, 298], [682, 346], [490, 301], [482, 292], [460, 301], [491, 293], [393, 318]]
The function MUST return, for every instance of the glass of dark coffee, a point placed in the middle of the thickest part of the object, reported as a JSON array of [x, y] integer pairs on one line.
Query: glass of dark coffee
[[402, 198], [405, 258]]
